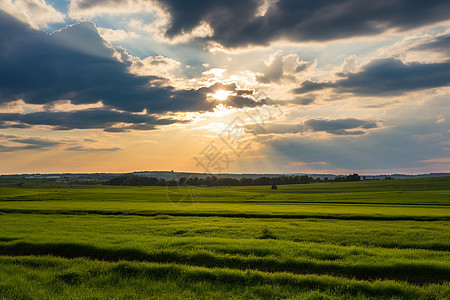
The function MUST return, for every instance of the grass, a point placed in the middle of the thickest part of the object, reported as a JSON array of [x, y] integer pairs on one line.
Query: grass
[[383, 239], [48, 277]]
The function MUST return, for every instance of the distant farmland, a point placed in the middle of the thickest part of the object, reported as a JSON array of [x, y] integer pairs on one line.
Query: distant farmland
[[382, 239]]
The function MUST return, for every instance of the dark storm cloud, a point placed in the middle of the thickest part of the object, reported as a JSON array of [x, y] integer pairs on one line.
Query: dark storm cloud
[[387, 76], [235, 22], [238, 23], [85, 119], [75, 63]]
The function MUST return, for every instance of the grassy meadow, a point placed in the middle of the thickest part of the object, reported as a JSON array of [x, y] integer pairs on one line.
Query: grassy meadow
[[361, 240]]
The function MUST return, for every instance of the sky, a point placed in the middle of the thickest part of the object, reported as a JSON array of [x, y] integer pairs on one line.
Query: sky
[[248, 86]]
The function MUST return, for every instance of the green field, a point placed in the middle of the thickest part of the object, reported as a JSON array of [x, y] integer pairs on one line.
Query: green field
[[364, 240]]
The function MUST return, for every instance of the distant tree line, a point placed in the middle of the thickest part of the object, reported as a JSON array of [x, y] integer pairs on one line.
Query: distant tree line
[[136, 180], [353, 177]]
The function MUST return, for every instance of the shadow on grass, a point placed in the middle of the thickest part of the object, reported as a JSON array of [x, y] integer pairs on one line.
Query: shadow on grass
[[419, 273], [228, 215]]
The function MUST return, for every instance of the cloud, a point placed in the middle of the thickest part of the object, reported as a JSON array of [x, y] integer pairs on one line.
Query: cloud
[[7, 136], [349, 64], [309, 86], [5, 125], [301, 163], [392, 148], [274, 71], [276, 128], [35, 141], [340, 126], [76, 64], [304, 100], [408, 134], [87, 149], [25, 143], [381, 105], [34, 12], [348, 126], [109, 120], [436, 160], [87, 8], [153, 66], [114, 35], [238, 23], [12, 143], [287, 67], [386, 77], [437, 44], [4, 148]]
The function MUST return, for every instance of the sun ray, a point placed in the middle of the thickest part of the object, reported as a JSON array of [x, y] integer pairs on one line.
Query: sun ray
[[221, 95]]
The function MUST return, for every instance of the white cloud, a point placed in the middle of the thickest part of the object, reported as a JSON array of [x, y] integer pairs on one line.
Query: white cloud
[[112, 35], [80, 9], [407, 48], [441, 120], [281, 69], [37, 13], [349, 65], [160, 66]]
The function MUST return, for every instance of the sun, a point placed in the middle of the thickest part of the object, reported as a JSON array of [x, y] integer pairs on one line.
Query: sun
[[221, 95]]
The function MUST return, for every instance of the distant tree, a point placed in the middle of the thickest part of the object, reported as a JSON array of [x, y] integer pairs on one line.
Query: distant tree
[[274, 187], [354, 177]]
